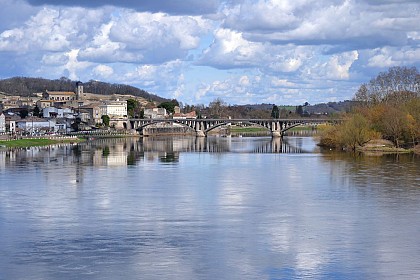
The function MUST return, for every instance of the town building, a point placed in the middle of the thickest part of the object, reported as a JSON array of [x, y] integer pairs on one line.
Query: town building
[[11, 102], [2, 123], [91, 113], [183, 116], [59, 96], [44, 103], [34, 124], [53, 112], [114, 109], [155, 113]]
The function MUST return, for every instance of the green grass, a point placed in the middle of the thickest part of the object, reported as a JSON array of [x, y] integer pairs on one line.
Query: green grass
[[301, 128], [247, 129], [23, 143]]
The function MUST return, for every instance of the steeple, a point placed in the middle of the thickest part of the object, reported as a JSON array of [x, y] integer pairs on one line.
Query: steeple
[[79, 90]]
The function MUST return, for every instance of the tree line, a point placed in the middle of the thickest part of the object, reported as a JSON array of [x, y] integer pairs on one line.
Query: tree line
[[388, 108], [25, 86]]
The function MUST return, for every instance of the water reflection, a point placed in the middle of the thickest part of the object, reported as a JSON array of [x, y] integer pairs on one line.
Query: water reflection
[[184, 212], [128, 151], [391, 175]]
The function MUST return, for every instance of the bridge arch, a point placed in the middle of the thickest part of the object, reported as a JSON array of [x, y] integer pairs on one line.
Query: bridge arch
[[277, 127]]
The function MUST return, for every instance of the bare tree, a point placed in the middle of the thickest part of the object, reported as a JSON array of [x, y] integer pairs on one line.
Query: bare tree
[[217, 108], [395, 86]]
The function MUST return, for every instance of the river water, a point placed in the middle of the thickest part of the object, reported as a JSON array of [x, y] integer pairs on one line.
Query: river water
[[215, 208]]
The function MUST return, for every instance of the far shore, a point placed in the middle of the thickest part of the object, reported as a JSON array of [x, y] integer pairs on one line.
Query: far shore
[[32, 142]]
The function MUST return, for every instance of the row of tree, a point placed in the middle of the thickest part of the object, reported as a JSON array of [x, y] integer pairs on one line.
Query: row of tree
[[25, 86], [389, 108]]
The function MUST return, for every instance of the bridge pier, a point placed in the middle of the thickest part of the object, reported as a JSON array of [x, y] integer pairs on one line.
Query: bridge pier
[[276, 134], [200, 133]]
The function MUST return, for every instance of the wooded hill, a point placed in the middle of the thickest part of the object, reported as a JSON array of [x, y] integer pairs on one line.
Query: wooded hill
[[24, 86]]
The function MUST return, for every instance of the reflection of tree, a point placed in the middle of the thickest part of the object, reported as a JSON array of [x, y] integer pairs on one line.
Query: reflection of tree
[[131, 158], [105, 151], [385, 173], [169, 157]]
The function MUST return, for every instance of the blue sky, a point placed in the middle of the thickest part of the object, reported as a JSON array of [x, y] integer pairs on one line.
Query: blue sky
[[285, 52]]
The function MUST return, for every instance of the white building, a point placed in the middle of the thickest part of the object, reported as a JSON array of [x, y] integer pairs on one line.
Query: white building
[[34, 124], [155, 113], [52, 112], [114, 109], [2, 123]]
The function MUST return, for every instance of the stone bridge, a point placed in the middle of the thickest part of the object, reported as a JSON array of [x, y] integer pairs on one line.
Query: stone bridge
[[277, 127]]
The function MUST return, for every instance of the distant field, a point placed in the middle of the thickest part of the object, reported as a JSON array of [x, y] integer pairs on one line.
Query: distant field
[[302, 127], [252, 129]]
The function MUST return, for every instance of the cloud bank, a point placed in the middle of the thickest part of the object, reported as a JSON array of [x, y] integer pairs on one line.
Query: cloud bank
[[243, 51]]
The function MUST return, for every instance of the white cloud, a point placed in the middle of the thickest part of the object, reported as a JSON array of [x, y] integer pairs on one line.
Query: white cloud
[[167, 6], [230, 49], [73, 66], [244, 51], [103, 71], [145, 38], [276, 82], [50, 30], [154, 77], [391, 56], [338, 66], [327, 22]]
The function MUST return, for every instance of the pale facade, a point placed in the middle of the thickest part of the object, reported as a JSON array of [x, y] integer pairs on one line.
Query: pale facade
[[42, 104], [2, 123], [93, 113], [59, 96], [52, 112], [35, 124], [155, 113], [181, 116], [114, 109]]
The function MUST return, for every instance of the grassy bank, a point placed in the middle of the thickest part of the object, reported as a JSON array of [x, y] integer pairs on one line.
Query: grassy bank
[[251, 129], [23, 143]]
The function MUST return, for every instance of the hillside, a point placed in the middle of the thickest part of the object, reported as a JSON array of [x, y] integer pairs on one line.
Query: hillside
[[25, 86], [331, 107]]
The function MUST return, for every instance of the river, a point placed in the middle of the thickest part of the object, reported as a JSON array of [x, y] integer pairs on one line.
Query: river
[[207, 208]]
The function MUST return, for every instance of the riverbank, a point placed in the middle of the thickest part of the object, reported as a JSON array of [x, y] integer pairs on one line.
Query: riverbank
[[31, 142], [378, 147]]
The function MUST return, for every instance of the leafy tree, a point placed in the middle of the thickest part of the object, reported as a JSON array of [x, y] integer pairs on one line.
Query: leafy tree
[[355, 132], [24, 113], [392, 111], [105, 120], [299, 110], [394, 123], [37, 112], [133, 108], [169, 105], [275, 112]]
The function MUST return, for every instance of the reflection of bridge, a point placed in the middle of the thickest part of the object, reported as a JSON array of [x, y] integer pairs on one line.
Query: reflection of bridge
[[277, 127], [218, 145]]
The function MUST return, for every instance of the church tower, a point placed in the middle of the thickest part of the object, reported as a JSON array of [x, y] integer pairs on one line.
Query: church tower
[[79, 90]]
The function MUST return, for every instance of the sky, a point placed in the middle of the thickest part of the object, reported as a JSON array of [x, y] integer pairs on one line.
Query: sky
[[284, 52]]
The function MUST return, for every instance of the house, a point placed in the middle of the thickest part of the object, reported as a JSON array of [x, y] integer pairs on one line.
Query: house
[[115, 109], [155, 113], [182, 116], [44, 103], [11, 102], [91, 113], [53, 112], [34, 124], [2, 123], [59, 96], [11, 120]]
